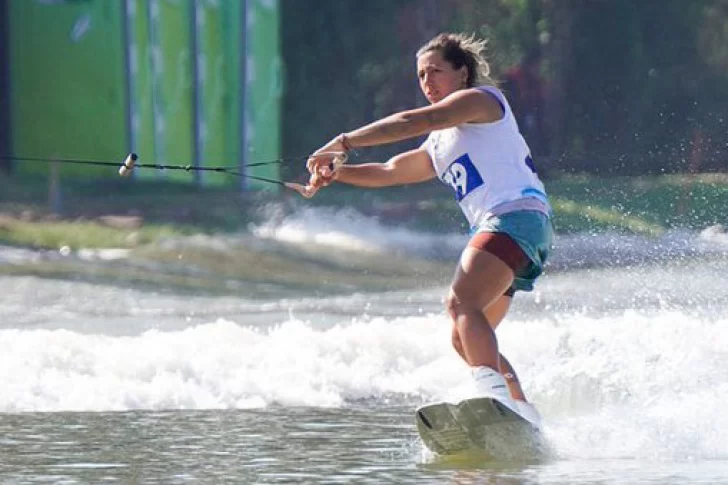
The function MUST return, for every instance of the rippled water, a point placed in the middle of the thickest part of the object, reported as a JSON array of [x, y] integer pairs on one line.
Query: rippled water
[[301, 445]]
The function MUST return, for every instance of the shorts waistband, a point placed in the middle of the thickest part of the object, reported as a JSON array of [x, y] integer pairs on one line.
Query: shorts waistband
[[525, 204]]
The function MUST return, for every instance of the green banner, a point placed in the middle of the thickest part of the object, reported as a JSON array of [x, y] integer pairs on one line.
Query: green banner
[[263, 88], [68, 97], [141, 107], [218, 86], [179, 82], [162, 79]]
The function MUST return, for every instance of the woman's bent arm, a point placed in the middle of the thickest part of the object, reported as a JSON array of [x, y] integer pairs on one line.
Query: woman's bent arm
[[409, 167], [460, 107]]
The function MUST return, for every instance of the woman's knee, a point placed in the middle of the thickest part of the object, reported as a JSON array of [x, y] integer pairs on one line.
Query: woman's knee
[[457, 306], [451, 305]]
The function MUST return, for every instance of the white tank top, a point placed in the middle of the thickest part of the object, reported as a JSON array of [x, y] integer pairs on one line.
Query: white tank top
[[488, 165]]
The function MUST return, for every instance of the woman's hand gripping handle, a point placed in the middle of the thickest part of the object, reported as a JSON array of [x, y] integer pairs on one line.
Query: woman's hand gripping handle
[[323, 166]]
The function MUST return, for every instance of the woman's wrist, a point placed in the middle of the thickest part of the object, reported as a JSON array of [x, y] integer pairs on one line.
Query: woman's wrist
[[345, 142]]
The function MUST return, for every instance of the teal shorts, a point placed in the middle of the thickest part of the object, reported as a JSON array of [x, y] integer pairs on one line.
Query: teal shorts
[[533, 232]]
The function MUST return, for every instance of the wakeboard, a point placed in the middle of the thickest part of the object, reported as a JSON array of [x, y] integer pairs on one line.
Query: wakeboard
[[479, 425]]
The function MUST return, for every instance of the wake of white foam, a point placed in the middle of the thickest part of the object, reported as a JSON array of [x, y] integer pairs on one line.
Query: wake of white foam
[[220, 365], [347, 229], [634, 384], [350, 230], [649, 385]]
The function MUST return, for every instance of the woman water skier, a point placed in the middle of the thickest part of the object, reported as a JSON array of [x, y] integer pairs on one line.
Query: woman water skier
[[475, 146]]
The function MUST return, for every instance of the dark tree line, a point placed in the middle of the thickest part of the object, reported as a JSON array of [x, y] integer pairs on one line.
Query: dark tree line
[[632, 86]]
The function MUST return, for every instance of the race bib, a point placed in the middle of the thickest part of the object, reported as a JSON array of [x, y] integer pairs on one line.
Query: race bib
[[462, 176]]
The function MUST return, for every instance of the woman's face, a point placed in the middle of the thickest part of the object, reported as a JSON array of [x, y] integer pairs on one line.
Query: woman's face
[[437, 76]]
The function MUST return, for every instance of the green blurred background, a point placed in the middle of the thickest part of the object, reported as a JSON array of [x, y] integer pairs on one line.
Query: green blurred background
[[179, 82], [630, 87], [629, 91]]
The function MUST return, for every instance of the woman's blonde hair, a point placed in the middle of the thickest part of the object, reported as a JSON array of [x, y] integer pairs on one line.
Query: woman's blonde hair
[[462, 50]]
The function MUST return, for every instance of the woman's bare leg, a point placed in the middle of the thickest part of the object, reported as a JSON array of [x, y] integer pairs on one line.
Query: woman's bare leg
[[480, 280], [494, 314], [514, 385]]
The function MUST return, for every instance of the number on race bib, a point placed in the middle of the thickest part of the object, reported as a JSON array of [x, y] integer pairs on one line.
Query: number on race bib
[[462, 176]]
